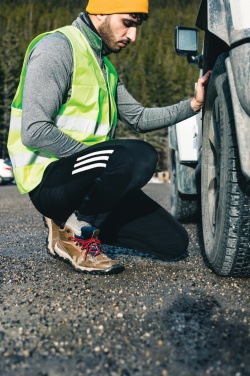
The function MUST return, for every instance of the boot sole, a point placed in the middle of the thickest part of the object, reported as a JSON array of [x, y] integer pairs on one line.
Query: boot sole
[[65, 257]]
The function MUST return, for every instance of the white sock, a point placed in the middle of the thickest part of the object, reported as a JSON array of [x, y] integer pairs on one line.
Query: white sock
[[76, 225]]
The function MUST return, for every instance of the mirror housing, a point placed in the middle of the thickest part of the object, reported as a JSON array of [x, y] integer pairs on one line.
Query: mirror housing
[[186, 41]]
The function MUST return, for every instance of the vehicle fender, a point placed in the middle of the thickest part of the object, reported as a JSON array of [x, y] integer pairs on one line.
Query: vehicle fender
[[239, 82], [186, 178], [240, 62], [212, 17], [187, 132], [183, 138], [226, 19]]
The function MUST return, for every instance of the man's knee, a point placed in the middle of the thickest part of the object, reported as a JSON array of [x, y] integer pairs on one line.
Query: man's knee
[[174, 249], [136, 158]]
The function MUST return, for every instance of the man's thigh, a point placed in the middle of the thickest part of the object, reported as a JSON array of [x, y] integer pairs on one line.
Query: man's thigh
[[65, 182], [120, 165]]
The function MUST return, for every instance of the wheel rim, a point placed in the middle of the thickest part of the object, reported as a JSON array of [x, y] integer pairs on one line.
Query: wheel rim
[[213, 168]]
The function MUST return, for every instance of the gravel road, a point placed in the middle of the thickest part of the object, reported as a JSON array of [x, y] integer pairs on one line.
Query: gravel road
[[154, 319]]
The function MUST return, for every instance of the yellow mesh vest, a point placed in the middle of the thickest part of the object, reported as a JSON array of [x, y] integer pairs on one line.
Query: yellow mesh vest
[[89, 116]]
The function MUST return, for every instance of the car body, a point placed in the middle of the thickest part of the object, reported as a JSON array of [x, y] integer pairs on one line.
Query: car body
[[6, 171], [215, 177]]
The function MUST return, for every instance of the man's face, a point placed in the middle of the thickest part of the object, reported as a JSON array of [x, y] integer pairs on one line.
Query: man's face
[[118, 30]]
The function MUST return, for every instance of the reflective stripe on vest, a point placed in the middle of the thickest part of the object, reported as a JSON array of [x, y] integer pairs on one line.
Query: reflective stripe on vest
[[89, 116]]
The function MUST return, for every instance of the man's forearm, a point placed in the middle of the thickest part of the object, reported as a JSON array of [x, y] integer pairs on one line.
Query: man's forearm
[[143, 119]]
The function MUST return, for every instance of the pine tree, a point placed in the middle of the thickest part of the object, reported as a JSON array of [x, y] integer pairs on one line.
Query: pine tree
[[10, 71]]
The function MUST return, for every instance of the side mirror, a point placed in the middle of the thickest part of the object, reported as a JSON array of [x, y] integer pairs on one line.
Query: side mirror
[[186, 41]]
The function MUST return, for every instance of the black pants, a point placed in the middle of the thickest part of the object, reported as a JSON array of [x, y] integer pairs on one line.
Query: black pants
[[103, 183]]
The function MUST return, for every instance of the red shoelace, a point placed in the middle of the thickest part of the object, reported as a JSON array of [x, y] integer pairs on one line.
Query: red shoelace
[[91, 245]]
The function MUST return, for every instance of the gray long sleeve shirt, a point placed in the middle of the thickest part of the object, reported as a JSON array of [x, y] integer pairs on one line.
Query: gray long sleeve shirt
[[48, 86]]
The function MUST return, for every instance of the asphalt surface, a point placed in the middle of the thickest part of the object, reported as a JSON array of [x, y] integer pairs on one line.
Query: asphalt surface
[[154, 319]]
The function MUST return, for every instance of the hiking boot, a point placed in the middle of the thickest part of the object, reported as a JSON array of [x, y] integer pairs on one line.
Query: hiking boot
[[84, 252], [52, 235]]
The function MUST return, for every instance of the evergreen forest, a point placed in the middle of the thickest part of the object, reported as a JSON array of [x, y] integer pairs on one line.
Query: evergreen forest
[[149, 68]]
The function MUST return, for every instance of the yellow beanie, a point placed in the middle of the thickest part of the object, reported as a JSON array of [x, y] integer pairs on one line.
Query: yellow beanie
[[117, 6]]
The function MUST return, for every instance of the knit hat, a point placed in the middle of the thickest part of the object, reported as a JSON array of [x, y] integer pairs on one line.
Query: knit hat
[[117, 6]]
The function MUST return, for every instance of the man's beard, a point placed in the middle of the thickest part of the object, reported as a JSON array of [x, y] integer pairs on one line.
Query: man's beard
[[108, 37]]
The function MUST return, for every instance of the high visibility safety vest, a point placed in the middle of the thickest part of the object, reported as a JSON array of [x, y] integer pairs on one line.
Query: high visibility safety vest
[[89, 116]]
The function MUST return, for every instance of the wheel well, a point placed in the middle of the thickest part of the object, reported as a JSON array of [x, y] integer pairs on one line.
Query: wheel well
[[213, 47]]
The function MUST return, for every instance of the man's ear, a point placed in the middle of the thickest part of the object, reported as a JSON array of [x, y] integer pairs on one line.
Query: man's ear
[[101, 17], [97, 19]]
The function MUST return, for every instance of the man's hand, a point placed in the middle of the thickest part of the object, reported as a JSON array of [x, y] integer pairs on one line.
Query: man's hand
[[199, 96]]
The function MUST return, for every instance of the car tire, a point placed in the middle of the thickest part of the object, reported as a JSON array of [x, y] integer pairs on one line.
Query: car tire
[[224, 189], [184, 207]]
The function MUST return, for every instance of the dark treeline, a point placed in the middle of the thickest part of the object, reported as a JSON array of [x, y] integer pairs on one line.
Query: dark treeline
[[151, 71]]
